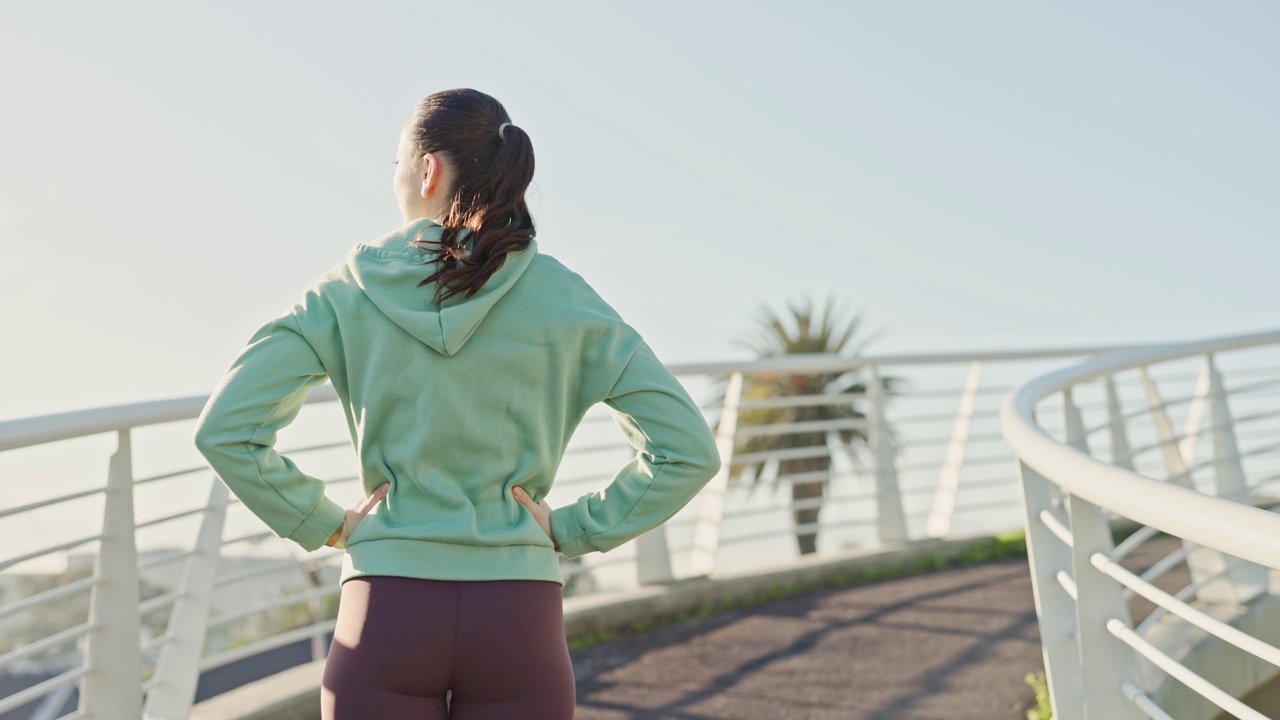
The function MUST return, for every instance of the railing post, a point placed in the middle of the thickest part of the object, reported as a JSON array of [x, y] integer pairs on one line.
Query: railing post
[[1203, 563], [653, 559], [1248, 579], [1074, 423], [1120, 452], [944, 497], [113, 687], [1174, 462], [706, 533], [311, 569], [891, 523], [1195, 413], [178, 667], [1055, 611], [1105, 661]]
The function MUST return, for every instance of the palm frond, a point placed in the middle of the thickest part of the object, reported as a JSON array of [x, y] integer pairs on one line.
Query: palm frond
[[802, 330]]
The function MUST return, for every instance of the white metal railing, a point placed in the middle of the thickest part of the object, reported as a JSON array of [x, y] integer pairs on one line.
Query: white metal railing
[[1080, 478], [935, 467]]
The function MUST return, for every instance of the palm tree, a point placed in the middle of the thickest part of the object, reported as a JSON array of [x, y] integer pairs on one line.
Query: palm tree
[[799, 331]]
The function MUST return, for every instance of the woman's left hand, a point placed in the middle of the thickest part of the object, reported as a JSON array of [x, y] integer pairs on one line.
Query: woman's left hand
[[541, 511], [355, 514]]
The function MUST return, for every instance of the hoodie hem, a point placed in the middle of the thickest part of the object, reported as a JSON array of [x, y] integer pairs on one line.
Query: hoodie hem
[[433, 560]]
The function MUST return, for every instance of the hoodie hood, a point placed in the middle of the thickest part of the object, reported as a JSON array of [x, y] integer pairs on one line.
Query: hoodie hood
[[389, 269]]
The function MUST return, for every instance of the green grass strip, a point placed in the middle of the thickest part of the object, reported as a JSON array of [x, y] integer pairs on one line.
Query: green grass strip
[[998, 547]]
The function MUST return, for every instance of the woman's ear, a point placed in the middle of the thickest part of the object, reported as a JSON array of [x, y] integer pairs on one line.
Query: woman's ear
[[434, 172]]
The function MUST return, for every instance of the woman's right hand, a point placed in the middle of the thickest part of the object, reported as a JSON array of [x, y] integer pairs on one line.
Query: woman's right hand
[[355, 515], [541, 511]]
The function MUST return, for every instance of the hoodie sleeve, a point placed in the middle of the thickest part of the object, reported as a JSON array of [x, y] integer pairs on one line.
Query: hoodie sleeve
[[262, 392], [675, 457]]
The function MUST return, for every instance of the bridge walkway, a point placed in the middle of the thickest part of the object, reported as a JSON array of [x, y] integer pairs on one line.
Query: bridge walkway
[[953, 644]]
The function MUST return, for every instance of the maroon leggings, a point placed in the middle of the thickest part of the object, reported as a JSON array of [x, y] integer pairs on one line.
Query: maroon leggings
[[497, 646]]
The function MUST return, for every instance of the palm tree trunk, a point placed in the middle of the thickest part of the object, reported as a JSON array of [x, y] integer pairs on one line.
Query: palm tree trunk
[[807, 540]]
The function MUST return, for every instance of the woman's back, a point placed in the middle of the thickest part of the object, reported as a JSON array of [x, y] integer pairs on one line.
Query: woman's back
[[455, 403]]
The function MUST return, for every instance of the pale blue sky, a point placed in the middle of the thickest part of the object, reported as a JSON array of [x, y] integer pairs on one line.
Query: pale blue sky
[[971, 175]]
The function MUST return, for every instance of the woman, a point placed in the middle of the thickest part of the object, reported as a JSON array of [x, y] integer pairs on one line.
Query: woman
[[464, 358]]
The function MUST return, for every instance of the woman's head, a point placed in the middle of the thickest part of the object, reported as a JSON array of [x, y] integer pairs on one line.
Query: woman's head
[[454, 167]]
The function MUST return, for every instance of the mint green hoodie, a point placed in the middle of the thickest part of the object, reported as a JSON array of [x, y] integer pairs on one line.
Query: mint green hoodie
[[453, 406]]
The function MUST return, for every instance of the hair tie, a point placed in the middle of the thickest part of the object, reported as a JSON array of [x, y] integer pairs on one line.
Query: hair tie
[[502, 127]]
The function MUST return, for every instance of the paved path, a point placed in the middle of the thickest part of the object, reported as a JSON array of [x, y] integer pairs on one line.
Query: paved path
[[953, 645]]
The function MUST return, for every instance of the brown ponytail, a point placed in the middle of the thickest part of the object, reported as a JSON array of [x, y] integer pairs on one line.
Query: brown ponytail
[[492, 174]]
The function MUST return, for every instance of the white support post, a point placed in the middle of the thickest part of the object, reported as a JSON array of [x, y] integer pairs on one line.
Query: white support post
[[112, 690], [1105, 661], [891, 523], [706, 533], [1195, 413], [1247, 579], [1055, 609], [1175, 464], [319, 649], [944, 497], [1074, 423], [1202, 562], [653, 558], [178, 667], [1120, 452], [1102, 659]]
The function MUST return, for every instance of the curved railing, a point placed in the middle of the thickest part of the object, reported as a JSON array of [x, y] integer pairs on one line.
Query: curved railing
[[1193, 464], [166, 580]]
